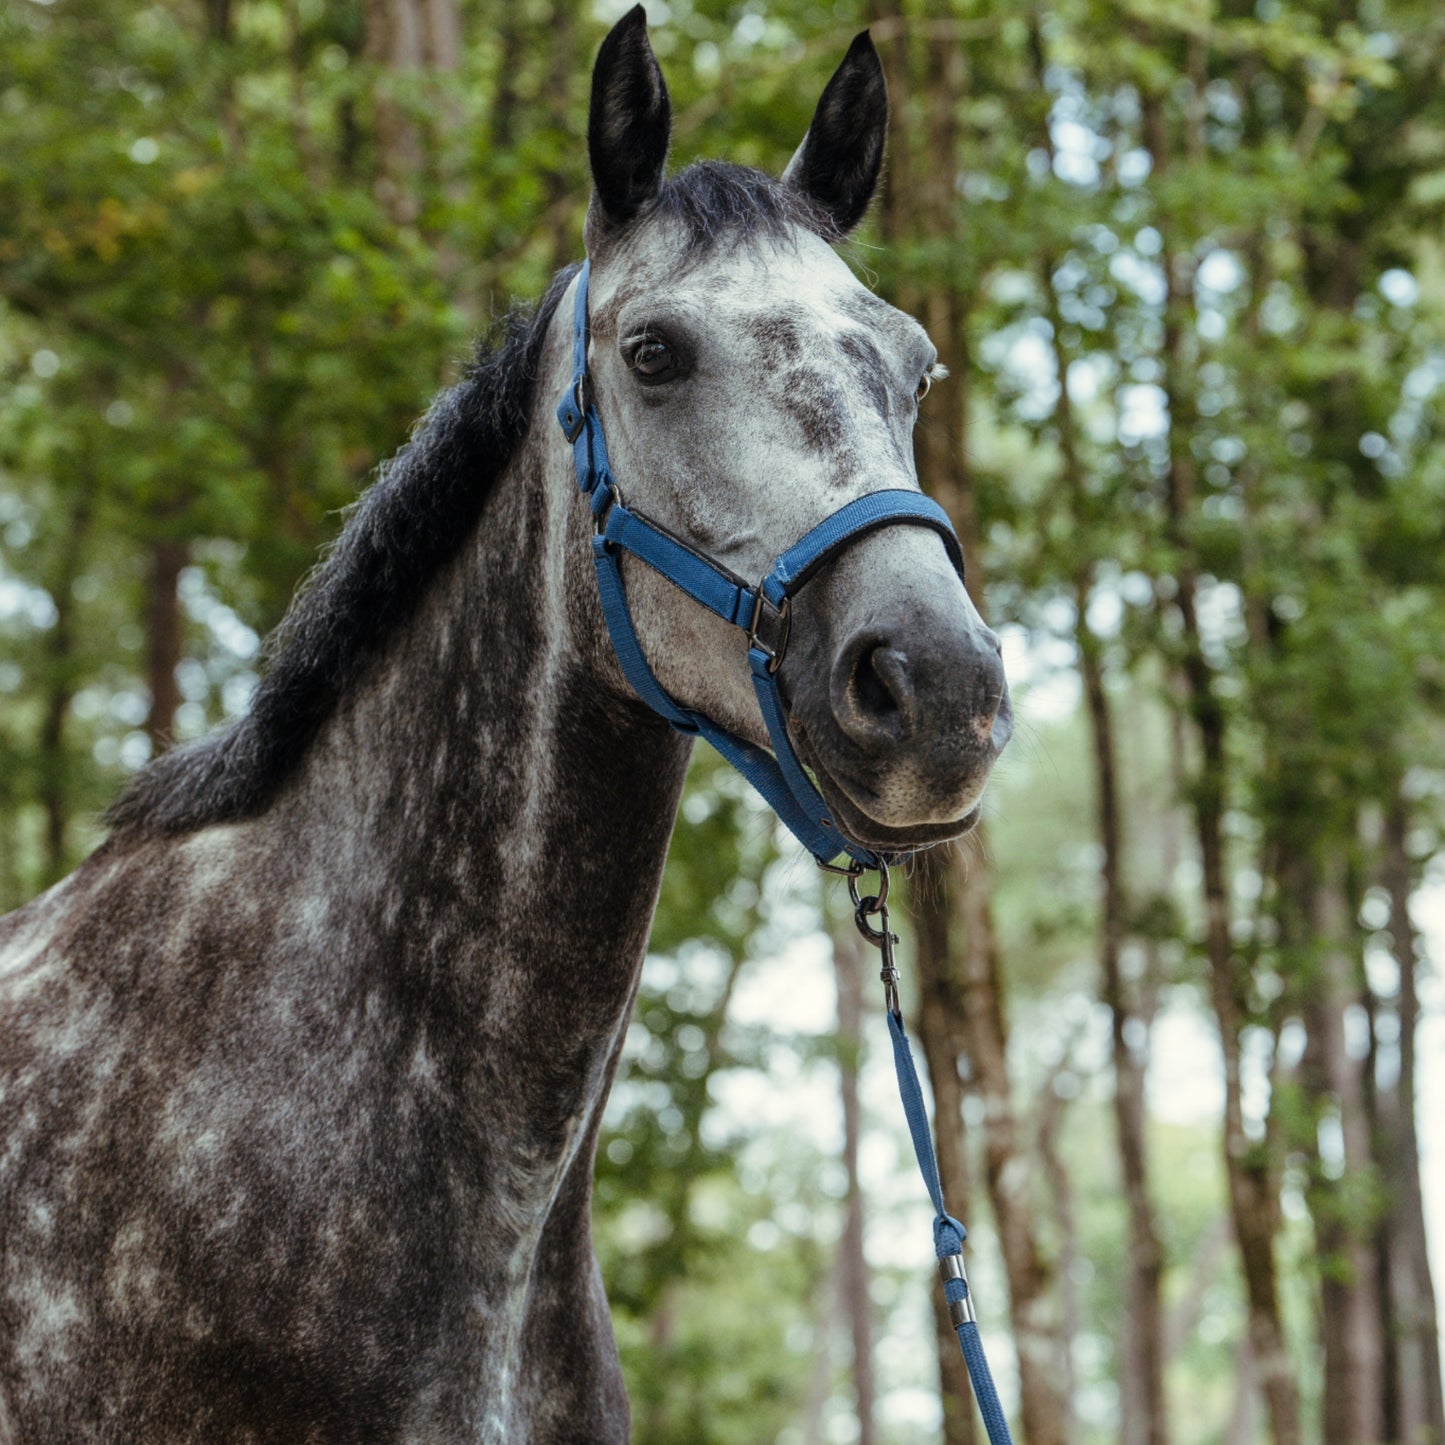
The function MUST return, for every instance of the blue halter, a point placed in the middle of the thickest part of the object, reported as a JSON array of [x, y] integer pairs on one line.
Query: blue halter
[[763, 612]]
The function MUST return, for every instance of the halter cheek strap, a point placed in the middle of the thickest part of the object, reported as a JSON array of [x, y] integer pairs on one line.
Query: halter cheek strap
[[762, 611]]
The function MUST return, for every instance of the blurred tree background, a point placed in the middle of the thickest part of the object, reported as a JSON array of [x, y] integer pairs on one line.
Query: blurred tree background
[[1185, 260]]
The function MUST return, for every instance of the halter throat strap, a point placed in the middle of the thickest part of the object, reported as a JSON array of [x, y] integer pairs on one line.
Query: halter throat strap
[[761, 610]]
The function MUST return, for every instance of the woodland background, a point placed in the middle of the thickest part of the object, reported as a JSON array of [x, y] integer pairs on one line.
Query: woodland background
[[1185, 260]]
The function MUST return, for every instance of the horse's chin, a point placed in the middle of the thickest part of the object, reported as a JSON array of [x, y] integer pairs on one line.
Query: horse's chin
[[859, 826]]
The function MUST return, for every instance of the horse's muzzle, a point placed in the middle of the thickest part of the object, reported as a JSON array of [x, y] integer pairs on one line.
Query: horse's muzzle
[[902, 718]]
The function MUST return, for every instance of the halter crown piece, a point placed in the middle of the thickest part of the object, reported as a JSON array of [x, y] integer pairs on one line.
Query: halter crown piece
[[763, 612]]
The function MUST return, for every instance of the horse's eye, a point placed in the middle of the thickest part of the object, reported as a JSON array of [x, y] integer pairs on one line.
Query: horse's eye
[[653, 360], [924, 386]]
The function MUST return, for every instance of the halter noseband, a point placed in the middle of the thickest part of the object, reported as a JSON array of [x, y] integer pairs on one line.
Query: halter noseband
[[763, 611]]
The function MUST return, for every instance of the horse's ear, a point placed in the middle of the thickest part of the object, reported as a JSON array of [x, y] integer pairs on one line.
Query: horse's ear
[[629, 122], [838, 163]]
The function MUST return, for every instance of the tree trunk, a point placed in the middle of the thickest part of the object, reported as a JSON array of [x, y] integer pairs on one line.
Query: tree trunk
[[59, 686], [820, 1367], [1044, 1405], [562, 39], [1343, 1205], [854, 1277], [1052, 1108], [407, 36], [1415, 1395], [54, 795], [11, 895], [1252, 1189], [1143, 1410], [163, 639], [1353, 1410], [939, 1033]]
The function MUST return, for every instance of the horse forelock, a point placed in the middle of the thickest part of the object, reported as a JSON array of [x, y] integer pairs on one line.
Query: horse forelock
[[716, 203]]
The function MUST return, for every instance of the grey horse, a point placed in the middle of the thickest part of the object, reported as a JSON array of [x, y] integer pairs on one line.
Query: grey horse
[[302, 1070]]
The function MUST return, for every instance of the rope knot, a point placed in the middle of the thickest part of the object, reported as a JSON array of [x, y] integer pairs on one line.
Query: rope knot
[[948, 1236]]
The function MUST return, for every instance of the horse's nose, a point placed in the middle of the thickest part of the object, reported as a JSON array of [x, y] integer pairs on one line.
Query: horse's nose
[[895, 686]]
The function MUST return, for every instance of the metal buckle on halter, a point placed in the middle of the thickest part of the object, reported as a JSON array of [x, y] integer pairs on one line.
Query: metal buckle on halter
[[614, 499], [784, 614]]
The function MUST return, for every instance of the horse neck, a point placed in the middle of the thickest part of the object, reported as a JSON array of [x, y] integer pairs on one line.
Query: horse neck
[[490, 813]]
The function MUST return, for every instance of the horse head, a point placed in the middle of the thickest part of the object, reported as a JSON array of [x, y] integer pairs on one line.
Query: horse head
[[751, 386]]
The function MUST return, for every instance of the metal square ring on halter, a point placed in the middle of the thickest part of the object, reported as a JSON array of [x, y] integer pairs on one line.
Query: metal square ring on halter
[[784, 615]]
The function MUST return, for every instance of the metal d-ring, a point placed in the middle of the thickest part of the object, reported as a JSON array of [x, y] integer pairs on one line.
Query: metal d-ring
[[878, 902], [870, 905]]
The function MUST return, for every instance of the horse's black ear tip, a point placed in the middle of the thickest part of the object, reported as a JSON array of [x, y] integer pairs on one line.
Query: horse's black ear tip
[[863, 54], [632, 24], [627, 32]]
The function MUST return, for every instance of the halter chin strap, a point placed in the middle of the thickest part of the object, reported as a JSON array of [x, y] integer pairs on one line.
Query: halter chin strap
[[763, 611]]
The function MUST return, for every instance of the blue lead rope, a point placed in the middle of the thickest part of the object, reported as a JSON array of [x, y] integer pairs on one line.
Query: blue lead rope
[[948, 1237], [779, 776]]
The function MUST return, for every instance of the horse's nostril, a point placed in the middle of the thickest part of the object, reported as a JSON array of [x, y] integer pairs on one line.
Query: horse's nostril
[[881, 680], [873, 696]]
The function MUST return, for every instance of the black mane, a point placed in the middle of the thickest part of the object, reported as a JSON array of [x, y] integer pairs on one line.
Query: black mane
[[413, 519], [409, 523]]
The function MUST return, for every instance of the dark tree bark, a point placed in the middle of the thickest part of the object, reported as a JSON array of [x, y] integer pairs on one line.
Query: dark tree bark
[[60, 685], [960, 980], [11, 895], [163, 638], [1143, 1409], [1343, 1204], [1416, 1406], [54, 796], [218, 19], [940, 1035], [1248, 1168], [562, 38], [402, 36], [1144, 1413], [1051, 1111], [1044, 1406]]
